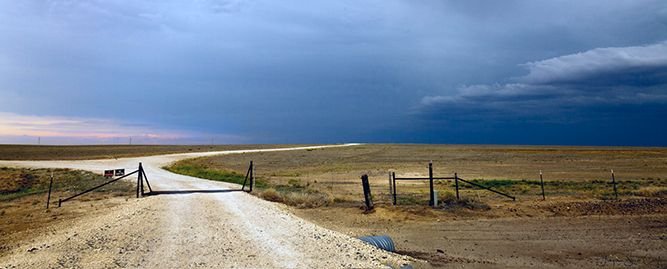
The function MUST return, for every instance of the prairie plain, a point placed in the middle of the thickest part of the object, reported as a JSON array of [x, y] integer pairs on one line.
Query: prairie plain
[[580, 224]]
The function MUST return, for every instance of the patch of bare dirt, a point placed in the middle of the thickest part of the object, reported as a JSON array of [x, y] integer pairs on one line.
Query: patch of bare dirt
[[643, 206]]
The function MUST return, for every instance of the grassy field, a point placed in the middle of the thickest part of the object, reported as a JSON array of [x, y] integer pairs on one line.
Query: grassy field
[[333, 174], [33, 152]]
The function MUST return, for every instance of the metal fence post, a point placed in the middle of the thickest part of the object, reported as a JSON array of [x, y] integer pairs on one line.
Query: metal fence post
[[252, 175], [430, 179], [542, 184], [141, 181], [456, 180], [138, 180], [393, 176], [48, 198]]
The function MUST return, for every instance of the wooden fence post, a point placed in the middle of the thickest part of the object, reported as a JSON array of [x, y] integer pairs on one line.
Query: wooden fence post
[[367, 192], [613, 182], [391, 189]]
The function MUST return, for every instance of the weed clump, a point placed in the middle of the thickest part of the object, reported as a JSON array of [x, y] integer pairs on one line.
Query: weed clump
[[307, 199]]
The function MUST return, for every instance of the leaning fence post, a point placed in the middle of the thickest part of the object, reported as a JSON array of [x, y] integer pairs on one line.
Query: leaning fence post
[[48, 197], [146, 179], [542, 184], [456, 180], [393, 177], [613, 182]]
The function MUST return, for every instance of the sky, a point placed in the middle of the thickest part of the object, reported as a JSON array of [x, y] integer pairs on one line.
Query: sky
[[455, 72]]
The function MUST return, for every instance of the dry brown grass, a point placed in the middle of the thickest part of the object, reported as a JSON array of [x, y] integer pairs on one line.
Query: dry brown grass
[[296, 198], [572, 172], [89, 152], [23, 195]]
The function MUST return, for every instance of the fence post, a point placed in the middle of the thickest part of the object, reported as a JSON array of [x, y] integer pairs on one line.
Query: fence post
[[138, 180], [391, 189], [456, 180], [367, 192], [48, 198], [252, 175], [141, 182], [430, 179], [542, 184], [393, 176], [613, 182]]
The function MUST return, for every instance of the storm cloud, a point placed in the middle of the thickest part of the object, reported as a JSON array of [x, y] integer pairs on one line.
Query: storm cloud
[[320, 71], [602, 77]]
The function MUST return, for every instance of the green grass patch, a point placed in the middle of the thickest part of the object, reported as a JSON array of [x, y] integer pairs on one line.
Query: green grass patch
[[189, 168]]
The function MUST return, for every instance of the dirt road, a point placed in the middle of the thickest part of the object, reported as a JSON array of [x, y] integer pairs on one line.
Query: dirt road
[[187, 228]]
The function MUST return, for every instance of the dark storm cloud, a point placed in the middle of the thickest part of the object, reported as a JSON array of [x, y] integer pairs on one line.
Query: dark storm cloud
[[605, 77], [321, 71]]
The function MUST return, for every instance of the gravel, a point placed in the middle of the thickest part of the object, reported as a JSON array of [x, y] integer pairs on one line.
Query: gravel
[[190, 230]]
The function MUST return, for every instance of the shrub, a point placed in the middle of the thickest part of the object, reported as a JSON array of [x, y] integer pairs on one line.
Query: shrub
[[271, 195]]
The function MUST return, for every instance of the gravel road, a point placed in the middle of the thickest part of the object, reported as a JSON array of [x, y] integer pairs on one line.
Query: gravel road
[[228, 229]]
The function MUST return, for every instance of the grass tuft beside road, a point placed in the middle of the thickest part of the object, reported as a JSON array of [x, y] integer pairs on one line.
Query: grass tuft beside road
[[191, 168], [293, 193]]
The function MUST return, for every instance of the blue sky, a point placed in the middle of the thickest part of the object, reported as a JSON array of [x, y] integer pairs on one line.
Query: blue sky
[[481, 72]]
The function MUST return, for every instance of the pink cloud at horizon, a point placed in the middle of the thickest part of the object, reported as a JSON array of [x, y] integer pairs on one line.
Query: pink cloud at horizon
[[15, 128]]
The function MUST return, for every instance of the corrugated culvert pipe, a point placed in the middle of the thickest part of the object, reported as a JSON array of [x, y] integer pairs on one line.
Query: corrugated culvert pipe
[[381, 241]]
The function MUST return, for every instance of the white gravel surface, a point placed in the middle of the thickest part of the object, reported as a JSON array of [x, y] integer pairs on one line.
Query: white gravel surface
[[229, 229]]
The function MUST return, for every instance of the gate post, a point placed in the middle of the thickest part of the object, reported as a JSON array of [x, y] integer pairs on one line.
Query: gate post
[[139, 181], [252, 175]]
